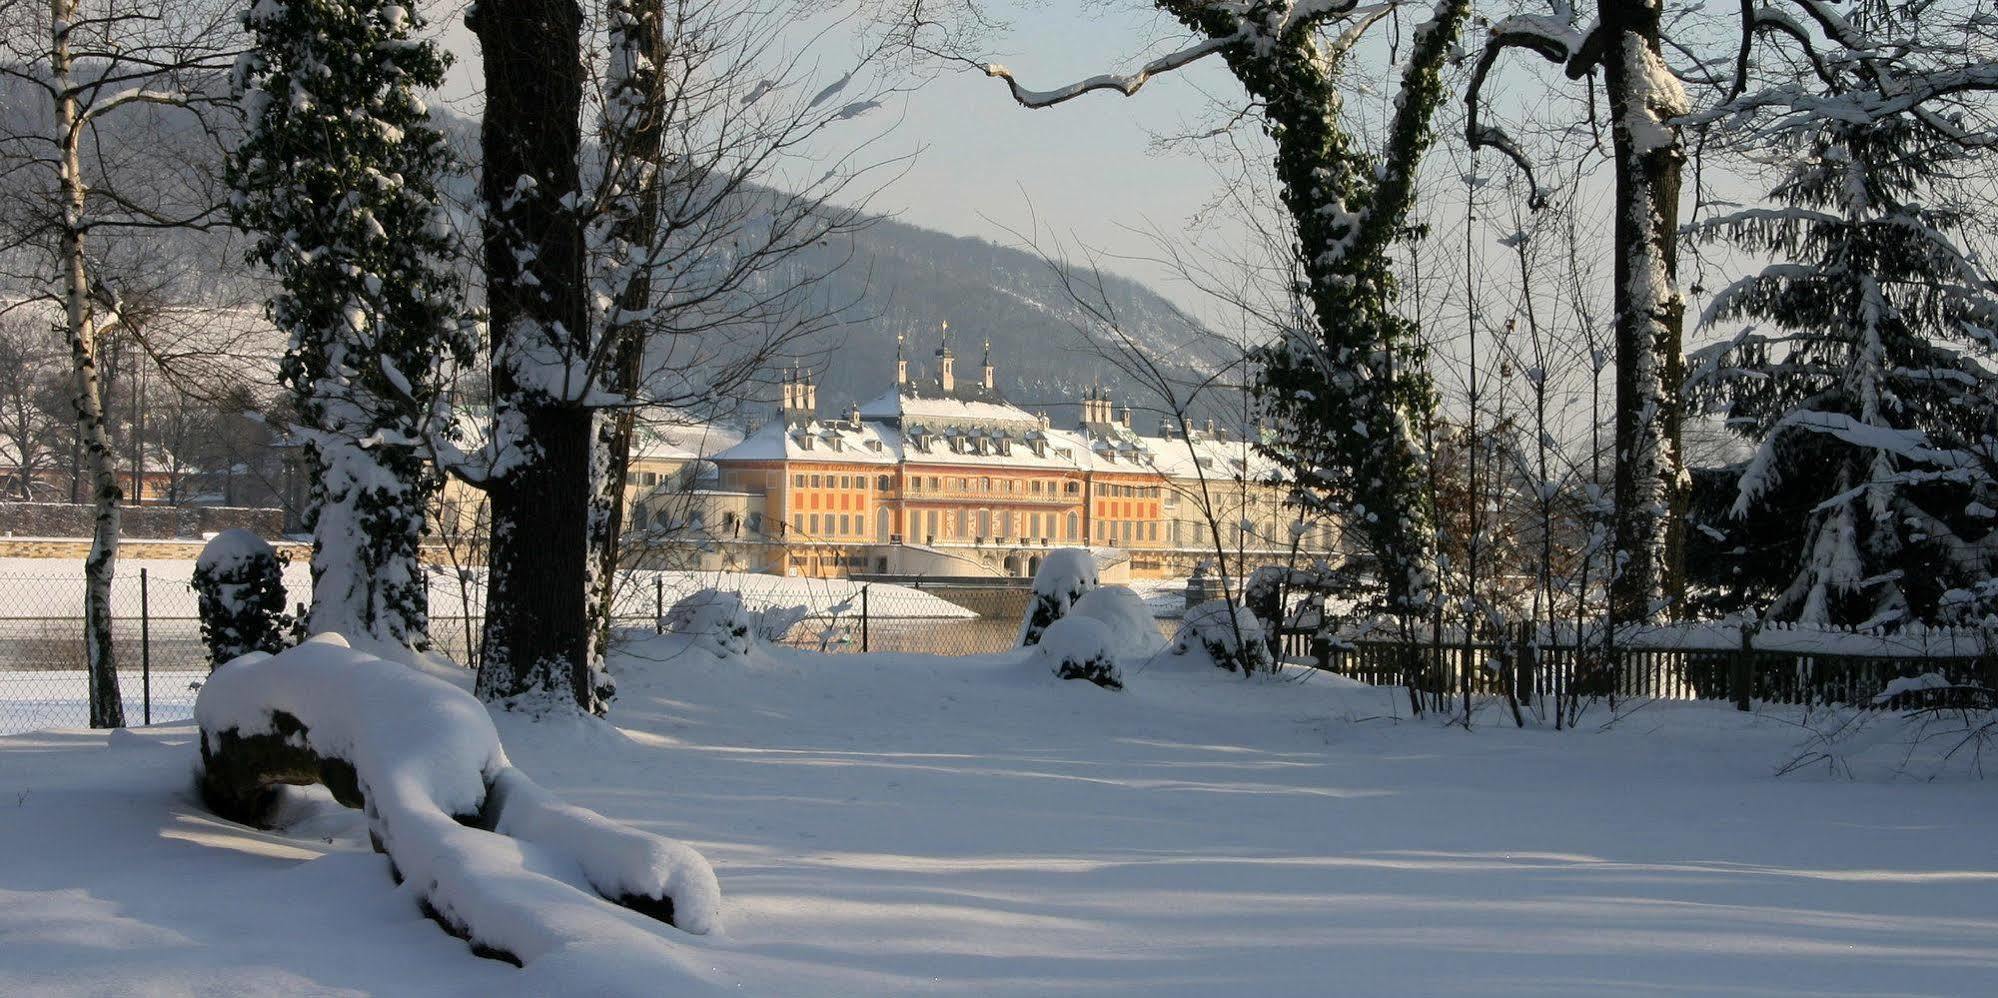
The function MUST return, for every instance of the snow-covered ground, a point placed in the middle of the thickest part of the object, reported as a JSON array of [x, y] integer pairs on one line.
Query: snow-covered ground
[[46, 586], [899, 825]]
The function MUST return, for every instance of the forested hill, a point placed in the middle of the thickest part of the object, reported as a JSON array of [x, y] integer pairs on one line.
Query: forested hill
[[910, 280], [895, 278]]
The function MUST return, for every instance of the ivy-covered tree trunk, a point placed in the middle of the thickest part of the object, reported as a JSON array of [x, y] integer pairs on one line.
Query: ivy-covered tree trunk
[[1353, 393], [338, 177], [538, 642], [1650, 313], [107, 706]]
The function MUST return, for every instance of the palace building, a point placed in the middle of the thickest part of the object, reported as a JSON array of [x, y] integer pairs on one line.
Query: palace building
[[942, 476]]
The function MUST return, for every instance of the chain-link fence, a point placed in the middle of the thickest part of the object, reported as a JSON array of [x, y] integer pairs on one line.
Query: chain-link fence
[[44, 678], [44, 682]]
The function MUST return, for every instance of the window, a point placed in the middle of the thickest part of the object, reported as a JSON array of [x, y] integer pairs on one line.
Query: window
[[846, 481], [815, 523], [1072, 522], [798, 523], [932, 523], [1074, 488], [798, 481], [815, 481], [1152, 530], [985, 522], [755, 523], [882, 484], [962, 525]]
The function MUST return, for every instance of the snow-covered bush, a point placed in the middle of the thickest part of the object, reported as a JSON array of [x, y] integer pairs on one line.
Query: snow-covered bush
[[1078, 647], [1134, 633], [1239, 644], [1064, 577], [1921, 727], [239, 592], [467, 835], [717, 622]]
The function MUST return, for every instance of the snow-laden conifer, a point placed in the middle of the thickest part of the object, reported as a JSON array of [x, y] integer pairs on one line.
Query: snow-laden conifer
[[1866, 381], [337, 179]]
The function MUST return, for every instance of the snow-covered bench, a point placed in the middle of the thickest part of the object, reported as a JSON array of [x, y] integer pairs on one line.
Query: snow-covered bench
[[473, 837]]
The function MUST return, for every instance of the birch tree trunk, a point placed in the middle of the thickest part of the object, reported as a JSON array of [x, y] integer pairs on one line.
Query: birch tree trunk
[[107, 708]]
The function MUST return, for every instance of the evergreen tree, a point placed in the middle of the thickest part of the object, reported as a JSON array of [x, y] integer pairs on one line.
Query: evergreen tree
[[1872, 384], [338, 179]]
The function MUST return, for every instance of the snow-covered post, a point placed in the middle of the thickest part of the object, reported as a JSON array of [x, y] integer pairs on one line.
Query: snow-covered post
[[338, 178]]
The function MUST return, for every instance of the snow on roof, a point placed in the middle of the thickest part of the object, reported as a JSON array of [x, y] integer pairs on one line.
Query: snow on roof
[[947, 442], [908, 403]]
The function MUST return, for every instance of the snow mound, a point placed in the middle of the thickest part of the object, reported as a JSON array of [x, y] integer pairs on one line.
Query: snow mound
[[1078, 647], [718, 622], [478, 844], [1208, 635], [1134, 632], [1063, 578]]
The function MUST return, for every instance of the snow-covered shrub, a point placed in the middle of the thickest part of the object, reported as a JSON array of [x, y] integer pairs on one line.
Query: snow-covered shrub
[[717, 622], [239, 592], [1237, 645], [1134, 633], [462, 828], [1078, 647], [1921, 727], [1064, 577]]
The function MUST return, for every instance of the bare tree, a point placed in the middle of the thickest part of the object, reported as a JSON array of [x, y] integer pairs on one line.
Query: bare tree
[[31, 402], [71, 192], [1625, 44], [668, 274]]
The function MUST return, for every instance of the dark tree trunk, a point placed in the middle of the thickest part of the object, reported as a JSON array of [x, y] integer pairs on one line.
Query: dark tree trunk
[[537, 637]]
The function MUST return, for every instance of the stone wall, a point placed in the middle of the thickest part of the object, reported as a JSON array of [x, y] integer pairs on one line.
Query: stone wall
[[56, 519], [79, 548]]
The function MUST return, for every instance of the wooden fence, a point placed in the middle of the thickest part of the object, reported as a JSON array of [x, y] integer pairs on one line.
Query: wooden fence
[[1437, 670]]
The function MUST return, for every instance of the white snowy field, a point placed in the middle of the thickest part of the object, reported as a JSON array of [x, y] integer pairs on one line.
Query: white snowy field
[[61, 698], [902, 825], [43, 587]]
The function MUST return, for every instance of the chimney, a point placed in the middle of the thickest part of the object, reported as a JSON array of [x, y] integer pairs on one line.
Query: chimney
[[989, 379]]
